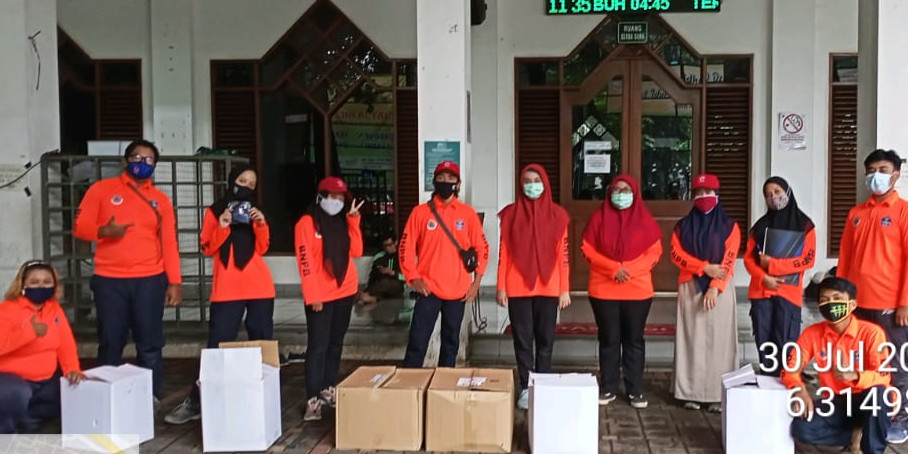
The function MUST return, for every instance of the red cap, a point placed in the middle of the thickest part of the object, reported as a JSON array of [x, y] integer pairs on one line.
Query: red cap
[[705, 180], [332, 184], [447, 166]]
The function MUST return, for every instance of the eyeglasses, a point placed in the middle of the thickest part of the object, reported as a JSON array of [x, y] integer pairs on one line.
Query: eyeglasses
[[139, 158]]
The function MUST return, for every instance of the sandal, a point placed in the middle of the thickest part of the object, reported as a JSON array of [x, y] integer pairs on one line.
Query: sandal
[[691, 406]]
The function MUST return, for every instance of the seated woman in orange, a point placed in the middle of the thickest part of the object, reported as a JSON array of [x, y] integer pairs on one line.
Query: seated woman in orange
[[36, 345]]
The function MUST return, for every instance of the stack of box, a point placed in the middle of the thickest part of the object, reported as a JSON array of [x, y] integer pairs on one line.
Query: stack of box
[[241, 396], [564, 414], [755, 417]]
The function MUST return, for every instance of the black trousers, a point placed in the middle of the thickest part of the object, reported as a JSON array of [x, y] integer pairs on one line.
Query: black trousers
[[224, 319], [425, 314], [325, 343], [776, 321], [621, 343], [835, 429], [533, 319]]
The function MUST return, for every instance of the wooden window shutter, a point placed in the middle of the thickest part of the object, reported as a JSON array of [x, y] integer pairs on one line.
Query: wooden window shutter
[[234, 122], [120, 114], [408, 184], [843, 143], [728, 140], [538, 135]]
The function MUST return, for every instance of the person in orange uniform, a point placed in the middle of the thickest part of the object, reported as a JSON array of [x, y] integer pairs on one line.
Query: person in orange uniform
[[137, 262], [434, 267], [235, 232], [874, 255], [327, 240], [704, 246], [533, 273], [835, 344], [36, 347], [622, 244], [776, 289]]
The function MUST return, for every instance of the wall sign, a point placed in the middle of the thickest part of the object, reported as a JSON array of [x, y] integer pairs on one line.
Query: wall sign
[[792, 131], [632, 32], [563, 7], [435, 153]]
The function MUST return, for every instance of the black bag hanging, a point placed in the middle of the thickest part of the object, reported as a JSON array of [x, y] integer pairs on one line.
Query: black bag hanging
[[469, 257]]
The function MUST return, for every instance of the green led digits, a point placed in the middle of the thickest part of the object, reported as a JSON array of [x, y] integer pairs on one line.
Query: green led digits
[[559, 7]]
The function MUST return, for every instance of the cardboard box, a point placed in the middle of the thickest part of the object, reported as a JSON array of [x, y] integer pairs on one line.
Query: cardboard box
[[470, 410], [111, 401], [564, 414], [750, 401], [382, 408], [241, 400]]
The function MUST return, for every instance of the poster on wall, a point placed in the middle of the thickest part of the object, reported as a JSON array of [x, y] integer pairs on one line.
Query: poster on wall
[[364, 134], [792, 131], [436, 152]]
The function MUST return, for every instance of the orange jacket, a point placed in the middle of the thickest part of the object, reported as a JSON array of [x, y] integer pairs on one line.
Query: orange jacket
[[427, 253], [149, 246], [511, 281], [319, 286], [603, 269], [25, 354], [230, 283], [874, 252], [860, 344], [781, 267], [692, 266]]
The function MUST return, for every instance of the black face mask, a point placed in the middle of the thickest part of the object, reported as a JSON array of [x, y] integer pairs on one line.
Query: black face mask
[[243, 193], [835, 311], [444, 190]]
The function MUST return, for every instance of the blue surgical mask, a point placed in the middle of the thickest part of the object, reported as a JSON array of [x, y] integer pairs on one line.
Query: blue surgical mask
[[622, 201], [140, 170], [533, 190], [39, 295], [878, 182], [331, 206]]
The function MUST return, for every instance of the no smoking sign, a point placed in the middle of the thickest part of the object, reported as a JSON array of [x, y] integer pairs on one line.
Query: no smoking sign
[[792, 131]]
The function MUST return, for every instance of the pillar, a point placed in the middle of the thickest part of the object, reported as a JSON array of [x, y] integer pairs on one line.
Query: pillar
[[171, 70]]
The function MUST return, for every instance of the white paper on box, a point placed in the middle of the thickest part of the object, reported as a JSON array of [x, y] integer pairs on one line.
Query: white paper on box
[[471, 382], [764, 405], [563, 416]]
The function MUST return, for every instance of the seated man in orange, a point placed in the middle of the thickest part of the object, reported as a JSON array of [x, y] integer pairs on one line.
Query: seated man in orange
[[851, 358], [35, 338]]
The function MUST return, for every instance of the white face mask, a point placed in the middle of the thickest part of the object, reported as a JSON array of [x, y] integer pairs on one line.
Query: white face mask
[[878, 183], [331, 206]]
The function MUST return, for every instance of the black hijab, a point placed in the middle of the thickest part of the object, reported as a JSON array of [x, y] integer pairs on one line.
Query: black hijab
[[788, 218], [335, 240], [703, 235], [242, 237]]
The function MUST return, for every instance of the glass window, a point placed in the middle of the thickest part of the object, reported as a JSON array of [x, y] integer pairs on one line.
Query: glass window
[[539, 73], [728, 70], [596, 142], [845, 68], [667, 134], [234, 74], [581, 64], [119, 74]]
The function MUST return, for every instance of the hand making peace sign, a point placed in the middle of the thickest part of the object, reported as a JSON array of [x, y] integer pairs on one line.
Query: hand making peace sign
[[354, 208]]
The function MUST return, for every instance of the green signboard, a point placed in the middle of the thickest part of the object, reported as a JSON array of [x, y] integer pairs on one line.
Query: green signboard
[[436, 152], [562, 7], [632, 32]]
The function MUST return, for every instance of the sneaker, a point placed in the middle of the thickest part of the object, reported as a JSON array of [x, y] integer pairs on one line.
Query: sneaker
[[638, 401], [896, 435], [183, 413], [313, 410], [329, 396], [714, 408], [691, 405], [523, 401], [607, 398], [294, 358]]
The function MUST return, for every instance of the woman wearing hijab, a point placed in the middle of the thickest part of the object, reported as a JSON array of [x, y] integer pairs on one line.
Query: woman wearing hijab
[[36, 348], [236, 234], [327, 240], [704, 246], [622, 243], [533, 271], [776, 279]]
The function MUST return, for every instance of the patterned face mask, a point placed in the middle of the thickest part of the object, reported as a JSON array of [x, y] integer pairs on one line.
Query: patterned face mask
[[835, 311]]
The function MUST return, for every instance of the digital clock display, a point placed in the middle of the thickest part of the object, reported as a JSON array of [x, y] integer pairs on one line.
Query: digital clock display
[[564, 7]]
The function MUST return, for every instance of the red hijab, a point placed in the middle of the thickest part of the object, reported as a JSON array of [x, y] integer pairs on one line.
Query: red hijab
[[622, 235], [531, 230]]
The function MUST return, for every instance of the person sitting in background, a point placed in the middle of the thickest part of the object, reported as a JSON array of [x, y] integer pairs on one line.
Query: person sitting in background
[[385, 279], [36, 344]]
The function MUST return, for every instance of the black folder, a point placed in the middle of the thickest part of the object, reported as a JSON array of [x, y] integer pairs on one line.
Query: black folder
[[784, 244]]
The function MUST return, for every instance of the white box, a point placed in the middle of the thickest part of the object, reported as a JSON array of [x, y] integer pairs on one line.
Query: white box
[[241, 400], [563, 417], [111, 401], [755, 417]]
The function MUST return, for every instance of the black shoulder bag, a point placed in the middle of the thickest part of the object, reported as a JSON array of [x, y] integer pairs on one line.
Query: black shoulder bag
[[468, 257]]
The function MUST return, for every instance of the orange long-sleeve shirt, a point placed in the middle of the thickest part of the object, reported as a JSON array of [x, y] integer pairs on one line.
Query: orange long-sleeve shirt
[[781, 267], [25, 354], [603, 269], [511, 281], [860, 344], [149, 246], [318, 284], [231, 283], [427, 253], [874, 252], [691, 266]]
